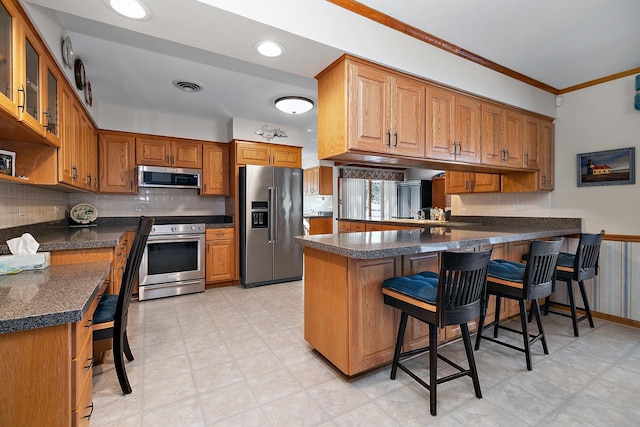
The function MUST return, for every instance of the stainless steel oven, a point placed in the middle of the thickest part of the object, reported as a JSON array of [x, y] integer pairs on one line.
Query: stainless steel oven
[[173, 261]]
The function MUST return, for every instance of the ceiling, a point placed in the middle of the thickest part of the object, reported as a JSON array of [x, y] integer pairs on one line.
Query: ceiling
[[129, 63]]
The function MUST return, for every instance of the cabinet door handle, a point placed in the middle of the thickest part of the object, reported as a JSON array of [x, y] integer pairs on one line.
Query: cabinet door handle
[[167, 159], [24, 98], [455, 148], [388, 138], [89, 180], [131, 185], [473, 185], [526, 158], [395, 134], [544, 180], [74, 173], [90, 365], [172, 159], [458, 148], [90, 413], [466, 185]]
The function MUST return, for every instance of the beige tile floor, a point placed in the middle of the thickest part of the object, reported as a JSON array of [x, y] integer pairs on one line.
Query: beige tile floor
[[237, 357]]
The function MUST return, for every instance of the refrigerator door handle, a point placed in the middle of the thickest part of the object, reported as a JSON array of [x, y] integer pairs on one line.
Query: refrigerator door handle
[[270, 215], [272, 208]]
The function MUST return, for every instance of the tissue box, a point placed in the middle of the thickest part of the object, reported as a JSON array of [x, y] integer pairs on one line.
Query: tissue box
[[12, 263]]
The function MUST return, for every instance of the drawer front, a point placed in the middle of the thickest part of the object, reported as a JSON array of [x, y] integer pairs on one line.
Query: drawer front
[[81, 371], [358, 226], [82, 414], [219, 233], [82, 330]]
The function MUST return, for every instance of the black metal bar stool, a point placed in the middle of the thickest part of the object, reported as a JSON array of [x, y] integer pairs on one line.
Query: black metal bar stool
[[453, 297], [522, 282], [578, 267]]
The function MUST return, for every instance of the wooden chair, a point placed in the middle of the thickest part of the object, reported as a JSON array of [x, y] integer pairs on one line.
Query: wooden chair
[[112, 312], [522, 282], [454, 297], [578, 267]]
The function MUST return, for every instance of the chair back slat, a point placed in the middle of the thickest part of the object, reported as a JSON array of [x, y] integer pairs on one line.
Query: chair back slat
[[587, 254], [541, 266], [131, 272], [462, 286]]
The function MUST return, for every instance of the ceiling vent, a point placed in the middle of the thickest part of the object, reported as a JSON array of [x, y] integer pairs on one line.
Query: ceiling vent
[[188, 86]]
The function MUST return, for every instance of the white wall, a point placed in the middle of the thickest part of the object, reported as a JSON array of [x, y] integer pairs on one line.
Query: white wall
[[114, 117], [594, 119]]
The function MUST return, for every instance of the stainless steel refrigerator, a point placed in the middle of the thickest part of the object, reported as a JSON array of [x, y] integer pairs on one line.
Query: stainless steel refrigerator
[[270, 218]]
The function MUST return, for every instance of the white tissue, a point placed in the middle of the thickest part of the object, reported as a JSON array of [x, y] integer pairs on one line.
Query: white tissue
[[23, 245]]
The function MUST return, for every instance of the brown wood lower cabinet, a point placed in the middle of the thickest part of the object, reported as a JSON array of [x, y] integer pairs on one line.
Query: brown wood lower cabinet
[[220, 264], [321, 225], [347, 320], [54, 367]]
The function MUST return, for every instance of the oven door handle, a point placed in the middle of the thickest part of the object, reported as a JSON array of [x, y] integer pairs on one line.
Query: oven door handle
[[176, 238]]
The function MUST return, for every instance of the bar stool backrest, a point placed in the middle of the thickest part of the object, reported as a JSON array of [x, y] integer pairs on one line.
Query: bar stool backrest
[[462, 287], [587, 254], [540, 271]]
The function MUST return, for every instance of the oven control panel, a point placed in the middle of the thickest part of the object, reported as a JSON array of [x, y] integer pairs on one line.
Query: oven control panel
[[178, 229]]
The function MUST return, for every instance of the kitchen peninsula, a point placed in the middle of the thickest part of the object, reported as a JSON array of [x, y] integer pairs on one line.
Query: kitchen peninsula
[[345, 318]]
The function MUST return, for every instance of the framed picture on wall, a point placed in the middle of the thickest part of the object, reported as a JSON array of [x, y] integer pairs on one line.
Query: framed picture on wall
[[7, 163], [611, 167]]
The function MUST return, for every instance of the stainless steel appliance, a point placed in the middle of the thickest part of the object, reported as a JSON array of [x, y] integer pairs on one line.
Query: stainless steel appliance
[[158, 176], [270, 218], [173, 261]]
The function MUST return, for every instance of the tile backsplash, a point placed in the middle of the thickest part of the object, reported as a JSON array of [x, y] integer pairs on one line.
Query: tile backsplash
[[26, 204], [152, 202], [502, 204]]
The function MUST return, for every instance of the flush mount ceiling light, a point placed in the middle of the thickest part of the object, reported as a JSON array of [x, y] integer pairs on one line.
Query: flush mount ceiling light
[[188, 86], [269, 48], [294, 104], [133, 9]]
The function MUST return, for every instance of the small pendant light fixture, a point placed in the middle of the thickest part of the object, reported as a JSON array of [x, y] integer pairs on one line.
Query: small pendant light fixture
[[294, 104]]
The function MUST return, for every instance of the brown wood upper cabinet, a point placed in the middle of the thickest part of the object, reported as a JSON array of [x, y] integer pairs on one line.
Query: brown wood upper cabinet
[[215, 169], [29, 82], [318, 181], [454, 126], [265, 154], [501, 136], [366, 108], [117, 153], [468, 182], [388, 112], [78, 153], [167, 152]]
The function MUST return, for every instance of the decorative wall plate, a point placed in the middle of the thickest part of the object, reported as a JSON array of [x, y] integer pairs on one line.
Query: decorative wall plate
[[88, 95], [80, 74], [67, 52], [83, 213]]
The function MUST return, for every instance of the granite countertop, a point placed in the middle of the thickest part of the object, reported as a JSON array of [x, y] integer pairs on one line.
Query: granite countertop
[[55, 295], [381, 244], [60, 236]]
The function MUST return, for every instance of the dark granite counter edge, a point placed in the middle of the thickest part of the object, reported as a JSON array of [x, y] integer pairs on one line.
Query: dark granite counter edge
[[416, 248], [56, 317], [555, 222]]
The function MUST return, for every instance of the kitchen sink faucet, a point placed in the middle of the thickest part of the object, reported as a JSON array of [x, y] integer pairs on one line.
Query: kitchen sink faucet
[[419, 212]]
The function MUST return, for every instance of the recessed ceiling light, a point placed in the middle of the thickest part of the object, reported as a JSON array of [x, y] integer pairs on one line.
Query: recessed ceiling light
[[133, 9], [294, 104], [269, 48]]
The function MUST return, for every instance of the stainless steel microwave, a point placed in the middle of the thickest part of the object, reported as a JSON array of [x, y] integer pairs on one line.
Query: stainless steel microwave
[[159, 176]]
